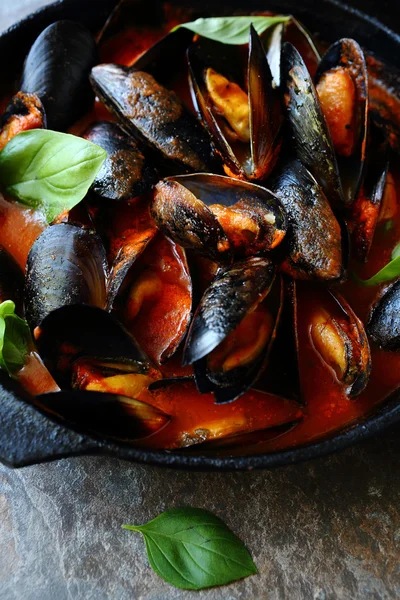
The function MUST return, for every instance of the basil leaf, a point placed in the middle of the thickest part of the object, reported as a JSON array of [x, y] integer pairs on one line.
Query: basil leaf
[[192, 549], [387, 273], [15, 339], [231, 30], [48, 170]]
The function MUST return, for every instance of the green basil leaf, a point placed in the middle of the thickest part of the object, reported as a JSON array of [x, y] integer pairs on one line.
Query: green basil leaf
[[231, 30], [48, 170], [387, 273], [396, 251], [15, 339], [192, 549]]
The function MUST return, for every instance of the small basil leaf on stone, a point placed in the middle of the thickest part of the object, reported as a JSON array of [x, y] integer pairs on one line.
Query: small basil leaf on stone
[[15, 339], [232, 30], [193, 549], [49, 171]]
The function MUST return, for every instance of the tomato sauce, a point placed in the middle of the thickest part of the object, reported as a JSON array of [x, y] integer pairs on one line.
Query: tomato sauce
[[326, 406]]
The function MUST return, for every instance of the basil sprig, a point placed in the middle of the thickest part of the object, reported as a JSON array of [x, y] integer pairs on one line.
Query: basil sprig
[[15, 339], [49, 171], [387, 273], [192, 549], [232, 30]]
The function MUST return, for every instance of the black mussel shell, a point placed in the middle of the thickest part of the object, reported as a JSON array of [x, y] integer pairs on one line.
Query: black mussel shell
[[232, 294], [132, 13], [183, 209], [57, 69], [229, 385], [339, 338], [256, 159], [23, 112], [11, 280], [79, 331], [153, 114], [311, 137], [111, 416], [66, 265], [314, 237], [384, 322], [347, 56], [126, 172]]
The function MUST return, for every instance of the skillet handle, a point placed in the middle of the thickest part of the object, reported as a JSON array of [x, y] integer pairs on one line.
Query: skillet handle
[[28, 437]]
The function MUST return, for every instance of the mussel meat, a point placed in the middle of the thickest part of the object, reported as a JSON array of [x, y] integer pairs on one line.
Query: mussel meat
[[339, 338], [66, 265], [314, 244], [153, 114], [57, 70], [23, 112], [245, 122], [126, 173], [217, 216], [342, 88], [309, 129]]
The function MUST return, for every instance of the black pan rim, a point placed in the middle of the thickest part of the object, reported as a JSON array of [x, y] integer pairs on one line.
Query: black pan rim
[[384, 415]]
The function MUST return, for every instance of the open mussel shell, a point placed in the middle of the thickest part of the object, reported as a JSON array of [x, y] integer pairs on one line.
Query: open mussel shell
[[112, 416], [11, 280], [253, 157], [237, 363], [126, 173], [218, 216], [57, 69], [79, 331], [312, 140], [384, 322], [314, 241], [342, 86], [339, 338], [153, 114], [66, 265], [235, 291], [23, 112]]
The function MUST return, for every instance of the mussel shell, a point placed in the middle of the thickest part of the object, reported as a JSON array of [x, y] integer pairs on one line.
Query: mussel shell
[[265, 115], [180, 208], [310, 132], [153, 114], [57, 69], [66, 265], [347, 54], [23, 112], [233, 293], [111, 416], [314, 237], [384, 322], [77, 331], [126, 172], [11, 280], [229, 386]]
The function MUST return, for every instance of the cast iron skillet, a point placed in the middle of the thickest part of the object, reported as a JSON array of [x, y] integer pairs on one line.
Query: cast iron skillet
[[28, 436]]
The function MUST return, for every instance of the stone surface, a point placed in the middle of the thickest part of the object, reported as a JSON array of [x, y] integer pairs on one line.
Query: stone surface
[[324, 530]]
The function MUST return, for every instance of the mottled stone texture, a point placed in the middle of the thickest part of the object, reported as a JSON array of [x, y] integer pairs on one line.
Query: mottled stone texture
[[323, 530]]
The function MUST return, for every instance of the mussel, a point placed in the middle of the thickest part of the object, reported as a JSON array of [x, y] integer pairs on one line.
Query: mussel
[[384, 323], [126, 173], [313, 241], [312, 140], [243, 115], [339, 338], [66, 265], [110, 416], [342, 88], [153, 114], [57, 70], [218, 216], [11, 280], [23, 112], [230, 311]]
